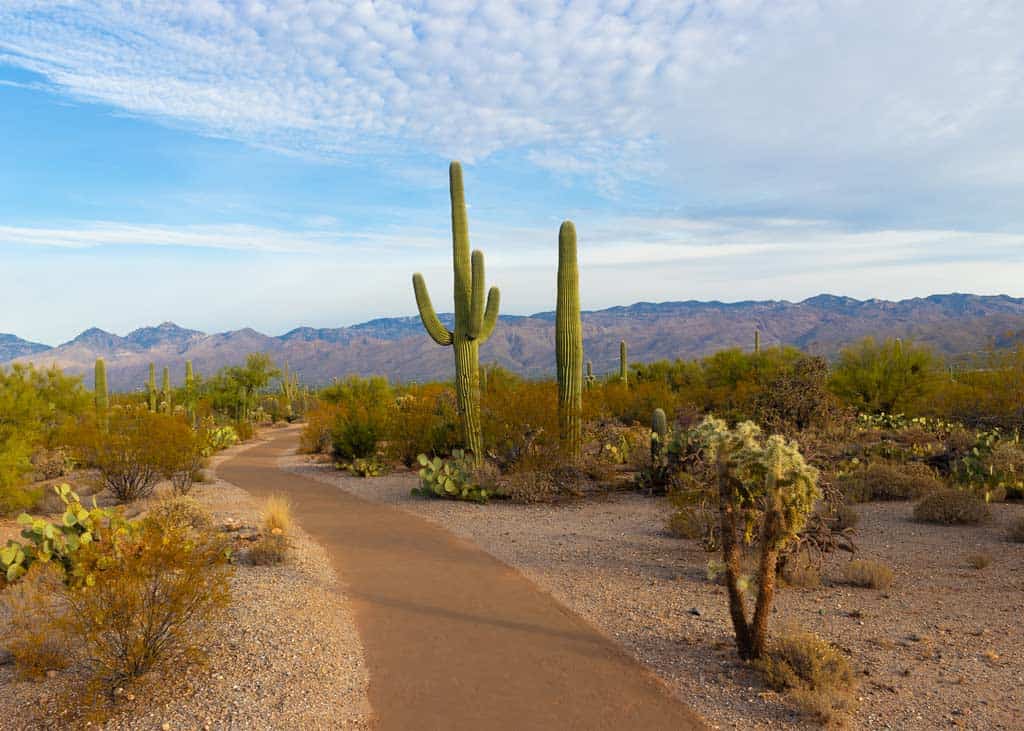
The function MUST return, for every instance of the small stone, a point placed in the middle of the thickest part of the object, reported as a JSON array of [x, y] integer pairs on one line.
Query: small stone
[[166, 727], [695, 611]]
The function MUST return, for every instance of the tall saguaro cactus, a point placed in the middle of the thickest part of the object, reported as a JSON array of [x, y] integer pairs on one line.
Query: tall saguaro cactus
[[165, 391], [623, 362], [190, 396], [569, 342], [474, 321], [100, 394], [151, 388]]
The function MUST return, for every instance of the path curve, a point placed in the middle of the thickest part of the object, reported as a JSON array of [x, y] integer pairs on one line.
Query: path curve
[[455, 639]]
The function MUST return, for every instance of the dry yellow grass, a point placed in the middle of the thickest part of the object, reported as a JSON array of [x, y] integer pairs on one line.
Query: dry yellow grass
[[870, 574], [277, 515]]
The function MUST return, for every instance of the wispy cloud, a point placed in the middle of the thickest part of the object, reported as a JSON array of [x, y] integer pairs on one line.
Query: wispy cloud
[[764, 99]]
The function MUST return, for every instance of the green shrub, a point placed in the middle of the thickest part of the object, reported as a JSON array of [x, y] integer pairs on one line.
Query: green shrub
[[889, 481], [812, 672], [354, 437], [424, 420], [181, 510], [451, 478], [951, 507]]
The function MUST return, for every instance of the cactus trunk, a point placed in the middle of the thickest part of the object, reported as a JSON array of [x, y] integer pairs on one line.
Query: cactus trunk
[[474, 321], [151, 387], [165, 391], [100, 393], [757, 341], [190, 405], [623, 362], [569, 342]]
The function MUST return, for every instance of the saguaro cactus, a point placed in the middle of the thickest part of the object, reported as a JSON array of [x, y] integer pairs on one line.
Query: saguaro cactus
[[289, 390], [473, 321], [623, 362], [190, 397], [100, 393], [165, 391], [569, 342], [757, 341], [151, 388], [589, 378], [659, 431]]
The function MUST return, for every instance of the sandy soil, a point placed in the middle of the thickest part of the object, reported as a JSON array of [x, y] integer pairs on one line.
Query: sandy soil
[[286, 657], [940, 649]]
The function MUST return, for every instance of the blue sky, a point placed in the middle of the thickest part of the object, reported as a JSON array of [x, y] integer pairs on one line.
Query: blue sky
[[273, 164]]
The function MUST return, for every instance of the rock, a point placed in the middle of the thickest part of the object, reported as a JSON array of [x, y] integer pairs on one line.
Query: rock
[[695, 612]]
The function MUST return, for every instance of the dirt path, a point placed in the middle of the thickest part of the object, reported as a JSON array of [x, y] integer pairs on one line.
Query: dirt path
[[454, 639]]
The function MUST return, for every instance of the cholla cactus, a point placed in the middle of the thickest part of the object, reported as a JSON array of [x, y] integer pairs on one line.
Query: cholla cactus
[[473, 321], [765, 489], [623, 362], [569, 342]]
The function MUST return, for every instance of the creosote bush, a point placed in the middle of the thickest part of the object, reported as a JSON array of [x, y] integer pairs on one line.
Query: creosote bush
[[889, 481], [867, 574], [814, 674], [951, 507], [35, 609]]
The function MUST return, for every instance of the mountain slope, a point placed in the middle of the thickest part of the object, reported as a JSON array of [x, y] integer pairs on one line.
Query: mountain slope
[[953, 324]]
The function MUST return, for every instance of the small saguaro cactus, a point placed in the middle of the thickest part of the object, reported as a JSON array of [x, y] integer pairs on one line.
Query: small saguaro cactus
[[474, 321], [100, 394], [757, 341], [151, 394], [289, 390], [659, 431], [165, 391], [569, 342], [623, 362], [589, 378]]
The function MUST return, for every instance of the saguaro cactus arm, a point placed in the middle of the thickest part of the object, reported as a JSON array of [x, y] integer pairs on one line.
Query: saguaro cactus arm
[[490, 318], [431, 323]]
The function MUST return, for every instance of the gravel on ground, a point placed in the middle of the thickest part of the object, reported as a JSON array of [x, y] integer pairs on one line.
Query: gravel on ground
[[941, 648]]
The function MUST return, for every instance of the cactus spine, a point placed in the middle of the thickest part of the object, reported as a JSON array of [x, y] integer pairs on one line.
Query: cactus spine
[[165, 391], [151, 388], [100, 393], [473, 321], [623, 362], [569, 342]]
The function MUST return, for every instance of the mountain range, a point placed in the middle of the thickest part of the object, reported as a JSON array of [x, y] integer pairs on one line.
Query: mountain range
[[955, 325]]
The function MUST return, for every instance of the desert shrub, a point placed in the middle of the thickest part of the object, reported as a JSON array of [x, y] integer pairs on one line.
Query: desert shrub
[[129, 452], [519, 419], [798, 397], [951, 507], [360, 415], [277, 514], [868, 574], [34, 609], [354, 435], [37, 409], [452, 478], [1016, 532], [424, 420], [157, 590], [815, 675], [536, 482], [181, 510], [634, 403], [183, 454], [887, 377], [315, 437], [994, 466], [244, 429], [889, 481], [979, 561]]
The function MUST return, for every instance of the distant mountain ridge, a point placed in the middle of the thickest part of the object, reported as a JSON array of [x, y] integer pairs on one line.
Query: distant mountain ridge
[[953, 324]]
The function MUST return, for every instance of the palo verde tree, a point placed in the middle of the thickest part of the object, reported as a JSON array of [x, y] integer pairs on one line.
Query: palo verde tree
[[766, 491], [474, 321]]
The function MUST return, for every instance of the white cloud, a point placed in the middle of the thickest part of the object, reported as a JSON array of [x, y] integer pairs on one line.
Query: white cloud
[[762, 101]]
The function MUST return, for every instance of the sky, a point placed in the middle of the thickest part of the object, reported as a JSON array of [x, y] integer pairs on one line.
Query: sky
[[283, 163]]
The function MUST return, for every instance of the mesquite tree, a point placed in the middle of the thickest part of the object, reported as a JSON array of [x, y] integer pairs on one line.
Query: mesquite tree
[[766, 491]]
